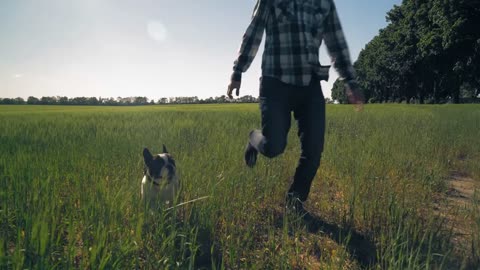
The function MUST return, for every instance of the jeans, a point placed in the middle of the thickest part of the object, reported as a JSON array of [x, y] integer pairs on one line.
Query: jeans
[[277, 101]]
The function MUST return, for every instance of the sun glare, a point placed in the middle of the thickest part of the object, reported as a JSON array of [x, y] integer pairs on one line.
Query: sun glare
[[157, 31]]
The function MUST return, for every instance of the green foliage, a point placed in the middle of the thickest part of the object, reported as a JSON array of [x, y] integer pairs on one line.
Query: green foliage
[[428, 51], [120, 101], [70, 180], [338, 92]]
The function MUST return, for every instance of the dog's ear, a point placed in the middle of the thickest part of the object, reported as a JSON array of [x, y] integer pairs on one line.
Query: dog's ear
[[165, 151], [147, 156]]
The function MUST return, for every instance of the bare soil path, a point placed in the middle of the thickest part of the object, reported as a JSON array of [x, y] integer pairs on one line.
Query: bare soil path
[[459, 212]]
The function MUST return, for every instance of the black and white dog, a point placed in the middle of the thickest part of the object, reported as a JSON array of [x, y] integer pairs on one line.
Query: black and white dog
[[160, 183]]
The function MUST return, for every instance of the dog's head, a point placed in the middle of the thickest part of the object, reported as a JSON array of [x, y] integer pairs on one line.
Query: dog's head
[[159, 167]]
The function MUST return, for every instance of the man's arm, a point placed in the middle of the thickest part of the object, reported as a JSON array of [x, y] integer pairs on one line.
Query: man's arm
[[338, 50], [250, 44], [337, 46], [251, 39]]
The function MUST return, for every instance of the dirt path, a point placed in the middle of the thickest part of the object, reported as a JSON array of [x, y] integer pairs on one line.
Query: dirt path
[[457, 211], [461, 189]]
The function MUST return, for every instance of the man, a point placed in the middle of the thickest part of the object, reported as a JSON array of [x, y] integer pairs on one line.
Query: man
[[291, 75]]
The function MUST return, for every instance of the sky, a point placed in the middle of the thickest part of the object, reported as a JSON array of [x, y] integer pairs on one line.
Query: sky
[[152, 48]]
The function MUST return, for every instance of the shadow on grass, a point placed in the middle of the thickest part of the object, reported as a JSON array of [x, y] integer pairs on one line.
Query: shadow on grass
[[208, 255], [170, 238], [362, 249]]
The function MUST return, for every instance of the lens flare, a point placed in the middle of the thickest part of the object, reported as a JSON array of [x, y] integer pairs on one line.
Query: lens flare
[[157, 31]]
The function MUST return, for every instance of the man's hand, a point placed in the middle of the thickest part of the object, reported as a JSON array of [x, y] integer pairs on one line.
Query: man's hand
[[232, 86], [355, 96]]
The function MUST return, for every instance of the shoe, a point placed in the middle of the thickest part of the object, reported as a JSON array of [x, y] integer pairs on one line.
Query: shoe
[[295, 205], [250, 155]]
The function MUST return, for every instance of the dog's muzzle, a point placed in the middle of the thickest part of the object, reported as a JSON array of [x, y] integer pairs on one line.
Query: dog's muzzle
[[169, 176], [152, 180]]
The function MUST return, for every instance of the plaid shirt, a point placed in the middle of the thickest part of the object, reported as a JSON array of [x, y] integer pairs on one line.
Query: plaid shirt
[[294, 32]]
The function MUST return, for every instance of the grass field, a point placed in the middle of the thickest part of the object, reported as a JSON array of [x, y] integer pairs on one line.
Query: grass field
[[70, 190]]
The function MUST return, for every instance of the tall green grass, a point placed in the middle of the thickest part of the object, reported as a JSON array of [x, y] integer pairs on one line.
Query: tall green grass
[[70, 189]]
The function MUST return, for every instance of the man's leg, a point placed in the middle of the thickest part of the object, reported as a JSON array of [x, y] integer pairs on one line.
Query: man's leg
[[276, 119], [310, 115]]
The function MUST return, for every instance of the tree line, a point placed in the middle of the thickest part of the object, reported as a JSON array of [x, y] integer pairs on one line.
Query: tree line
[[428, 53], [123, 101]]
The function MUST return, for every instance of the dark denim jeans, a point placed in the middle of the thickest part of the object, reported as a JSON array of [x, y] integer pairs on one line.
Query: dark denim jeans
[[277, 101]]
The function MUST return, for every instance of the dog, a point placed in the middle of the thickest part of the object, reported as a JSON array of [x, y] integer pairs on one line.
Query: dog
[[160, 184]]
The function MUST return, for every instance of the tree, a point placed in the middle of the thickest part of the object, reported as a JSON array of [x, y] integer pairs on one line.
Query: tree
[[63, 100], [48, 101], [338, 92], [19, 101], [126, 101], [140, 100], [33, 100], [429, 50], [163, 101]]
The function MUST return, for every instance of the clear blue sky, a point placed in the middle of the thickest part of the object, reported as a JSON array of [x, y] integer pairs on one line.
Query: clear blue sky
[[153, 48]]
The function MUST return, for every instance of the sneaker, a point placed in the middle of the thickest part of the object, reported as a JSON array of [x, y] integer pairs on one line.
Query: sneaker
[[250, 155], [295, 205]]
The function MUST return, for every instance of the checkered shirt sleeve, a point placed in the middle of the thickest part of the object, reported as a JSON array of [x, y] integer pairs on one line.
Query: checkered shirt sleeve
[[251, 40]]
